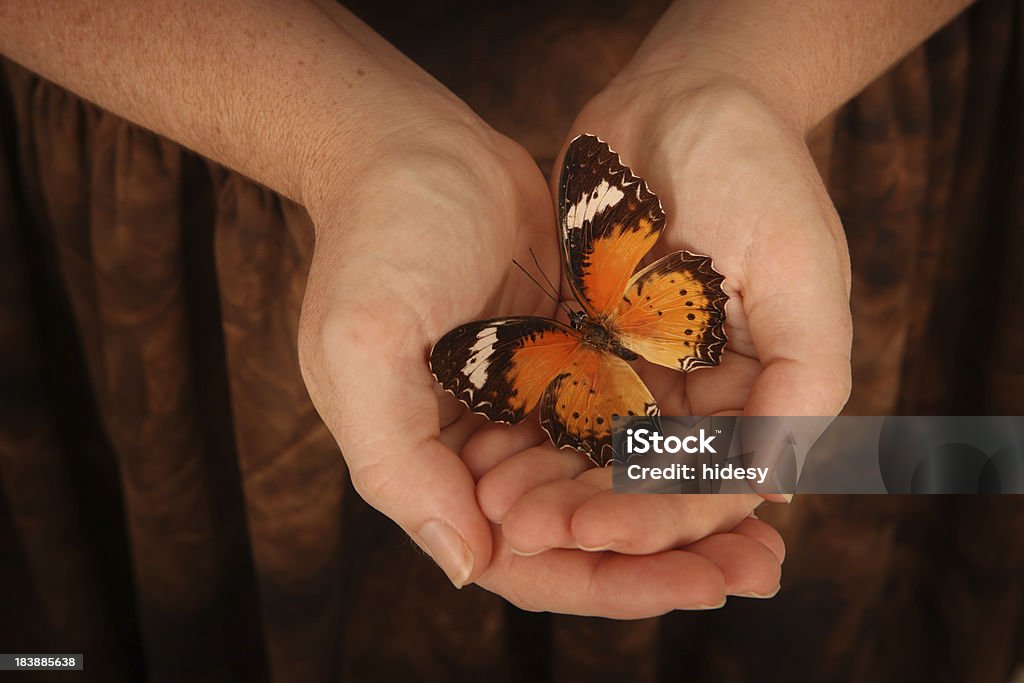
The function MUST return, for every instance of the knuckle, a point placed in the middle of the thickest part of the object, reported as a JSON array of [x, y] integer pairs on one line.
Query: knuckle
[[371, 481]]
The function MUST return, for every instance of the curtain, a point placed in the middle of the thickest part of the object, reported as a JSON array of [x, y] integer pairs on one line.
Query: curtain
[[172, 506]]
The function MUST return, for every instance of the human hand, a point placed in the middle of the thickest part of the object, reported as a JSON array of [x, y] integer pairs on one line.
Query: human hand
[[738, 183], [414, 236], [414, 241]]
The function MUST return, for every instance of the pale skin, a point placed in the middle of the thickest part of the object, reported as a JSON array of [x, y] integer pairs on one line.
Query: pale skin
[[419, 206]]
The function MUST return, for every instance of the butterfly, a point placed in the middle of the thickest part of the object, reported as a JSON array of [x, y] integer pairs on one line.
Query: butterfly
[[671, 313]]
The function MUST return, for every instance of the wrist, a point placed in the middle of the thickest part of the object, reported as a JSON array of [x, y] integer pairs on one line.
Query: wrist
[[421, 142], [773, 85], [663, 118], [804, 57], [399, 123]]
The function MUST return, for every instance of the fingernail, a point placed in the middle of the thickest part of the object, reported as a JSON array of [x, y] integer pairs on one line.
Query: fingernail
[[448, 549], [761, 596], [707, 607], [531, 553], [597, 548]]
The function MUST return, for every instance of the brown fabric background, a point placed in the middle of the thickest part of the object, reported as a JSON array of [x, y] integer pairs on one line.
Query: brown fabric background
[[171, 505]]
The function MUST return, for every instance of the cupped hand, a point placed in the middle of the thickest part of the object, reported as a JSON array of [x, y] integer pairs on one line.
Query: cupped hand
[[737, 183], [413, 239]]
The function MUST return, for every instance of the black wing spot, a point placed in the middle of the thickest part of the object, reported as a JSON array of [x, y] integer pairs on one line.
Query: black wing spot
[[682, 292], [659, 312], [687, 332], [690, 316], [575, 416], [689, 303], [600, 420]]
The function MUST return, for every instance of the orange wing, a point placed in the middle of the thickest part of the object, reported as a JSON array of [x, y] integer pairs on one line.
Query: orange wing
[[501, 367], [609, 220], [578, 407], [673, 313]]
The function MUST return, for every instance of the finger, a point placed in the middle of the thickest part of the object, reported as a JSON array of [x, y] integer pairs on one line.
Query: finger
[[457, 433], [606, 584], [799, 316], [510, 480], [375, 393], [494, 443], [643, 524], [541, 519], [801, 327], [763, 533], [724, 388], [450, 408], [750, 569]]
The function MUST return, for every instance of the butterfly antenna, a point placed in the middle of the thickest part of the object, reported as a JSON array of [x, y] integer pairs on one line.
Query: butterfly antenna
[[536, 262], [536, 282], [541, 271]]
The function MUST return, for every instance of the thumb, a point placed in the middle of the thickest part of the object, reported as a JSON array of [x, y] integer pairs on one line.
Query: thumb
[[369, 380], [799, 318]]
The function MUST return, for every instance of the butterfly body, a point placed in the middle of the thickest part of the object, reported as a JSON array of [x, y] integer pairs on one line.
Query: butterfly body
[[671, 313], [598, 335]]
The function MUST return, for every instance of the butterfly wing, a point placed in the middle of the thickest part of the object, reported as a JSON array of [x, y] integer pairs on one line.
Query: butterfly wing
[[501, 367], [673, 313], [609, 219], [578, 407]]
